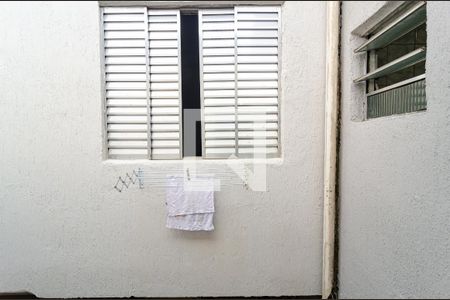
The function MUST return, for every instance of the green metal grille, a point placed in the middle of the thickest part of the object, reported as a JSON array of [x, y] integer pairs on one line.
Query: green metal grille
[[404, 99]]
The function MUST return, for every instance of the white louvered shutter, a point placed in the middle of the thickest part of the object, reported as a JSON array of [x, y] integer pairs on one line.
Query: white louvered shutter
[[165, 88], [125, 81], [142, 82], [240, 80], [258, 33], [218, 81]]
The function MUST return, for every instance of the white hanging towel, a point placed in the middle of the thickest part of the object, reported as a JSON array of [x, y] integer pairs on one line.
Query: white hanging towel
[[190, 203]]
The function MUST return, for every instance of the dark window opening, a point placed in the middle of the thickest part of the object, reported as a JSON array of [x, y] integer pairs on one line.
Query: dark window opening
[[190, 87], [409, 42]]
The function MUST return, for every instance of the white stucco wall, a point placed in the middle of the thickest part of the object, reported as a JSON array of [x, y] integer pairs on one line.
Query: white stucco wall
[[65, 232], [395, 178]]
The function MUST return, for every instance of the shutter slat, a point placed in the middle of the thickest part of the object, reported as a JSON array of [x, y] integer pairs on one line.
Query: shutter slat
[[163, 61], [218, 43], [127, 60], [136, 77], [162, 19], [121, 128], [126, 102], [162, 26], [159, 77], [257, 76], [216, 77], [121, 144], [127, 136], [165, 119], [253, 42], [165, 127], [161, 35], [165, 103], [127, 85], [257, 101], [265, 33], [123, 10], [258, 118], [257, 143], [164, 70], [257, 134], [260, 50], [139, 25], [219, 102], [258, 84], [130, 34], [219, 85], [163, 44], [242, 67], [165, 111], [220, 135], [257, 126], [257, 16], [139, 43], [121, 119], [164, 86], [220, 69], [127, 111], [125, 69], [166, 135], [122, 17], [220, 127], [214, 35], [220, 110]]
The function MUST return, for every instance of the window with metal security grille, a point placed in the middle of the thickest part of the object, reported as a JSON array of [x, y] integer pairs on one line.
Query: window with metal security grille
[[151, 79], [396, 53]]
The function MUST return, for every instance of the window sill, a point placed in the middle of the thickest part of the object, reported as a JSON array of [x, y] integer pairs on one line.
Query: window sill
[[199, 160]]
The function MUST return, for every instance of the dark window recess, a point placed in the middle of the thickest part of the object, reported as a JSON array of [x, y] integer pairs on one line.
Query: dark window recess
[[190, 89], [409, 42]]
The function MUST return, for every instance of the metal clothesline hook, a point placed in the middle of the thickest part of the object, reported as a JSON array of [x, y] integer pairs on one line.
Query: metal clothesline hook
[[133, 181], [123, 181], [116, 187]]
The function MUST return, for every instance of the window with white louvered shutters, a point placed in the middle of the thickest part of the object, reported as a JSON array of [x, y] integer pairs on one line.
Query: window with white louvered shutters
[[239, 81]]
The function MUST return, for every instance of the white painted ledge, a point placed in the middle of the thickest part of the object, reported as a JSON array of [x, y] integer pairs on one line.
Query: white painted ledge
[[147, 162]]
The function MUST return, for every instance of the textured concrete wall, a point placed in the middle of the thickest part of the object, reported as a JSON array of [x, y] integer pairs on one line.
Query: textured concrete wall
[[395, 178], [65, 232]]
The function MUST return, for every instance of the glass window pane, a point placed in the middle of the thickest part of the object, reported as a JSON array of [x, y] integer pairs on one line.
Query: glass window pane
[[409, 42], [403, 45]]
